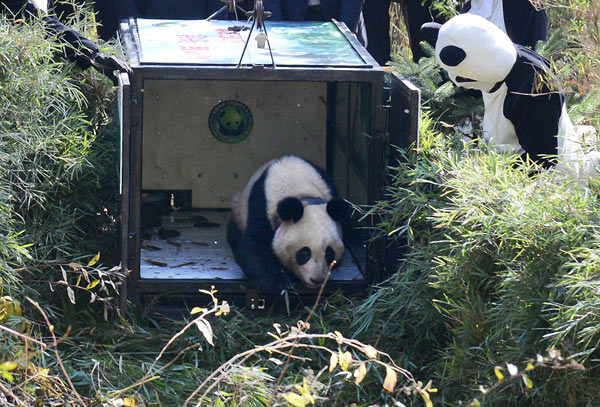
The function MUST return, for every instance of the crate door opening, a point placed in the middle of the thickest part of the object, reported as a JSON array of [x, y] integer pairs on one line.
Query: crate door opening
[[202, 141]]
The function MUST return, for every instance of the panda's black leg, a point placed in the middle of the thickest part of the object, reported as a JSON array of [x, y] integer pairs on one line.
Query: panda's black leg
[[257, 260], [233, 234]]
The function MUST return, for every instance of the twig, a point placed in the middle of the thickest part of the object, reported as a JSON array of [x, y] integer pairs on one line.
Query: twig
[[246, 355], [243, 356], [290, 341], [27, 361], [181, 352], [22, 336], [136, 384], [178, 334], [289, 358], [55, 346], [8, 392]]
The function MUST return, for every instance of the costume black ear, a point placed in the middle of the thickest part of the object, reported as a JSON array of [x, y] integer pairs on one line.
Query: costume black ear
[[290, 208], [338, 209], [429, 32]]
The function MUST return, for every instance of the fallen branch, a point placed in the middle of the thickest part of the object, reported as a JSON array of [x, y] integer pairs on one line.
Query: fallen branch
[[55, 346], [8, 392], [24, 337]]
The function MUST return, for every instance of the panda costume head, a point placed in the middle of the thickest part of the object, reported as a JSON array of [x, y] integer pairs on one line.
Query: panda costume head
[[288, 217], [524, 103], [475, 53]]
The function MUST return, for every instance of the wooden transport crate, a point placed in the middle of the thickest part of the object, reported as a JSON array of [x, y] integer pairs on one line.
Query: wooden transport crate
[[195, 125]]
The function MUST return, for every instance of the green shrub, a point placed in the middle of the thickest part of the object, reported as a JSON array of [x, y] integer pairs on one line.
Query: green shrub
[[501, 266], [58, 169]]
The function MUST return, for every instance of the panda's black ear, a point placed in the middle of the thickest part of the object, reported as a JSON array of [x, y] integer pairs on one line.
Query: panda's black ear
[[290, 209], [338, 209], [429, 32]]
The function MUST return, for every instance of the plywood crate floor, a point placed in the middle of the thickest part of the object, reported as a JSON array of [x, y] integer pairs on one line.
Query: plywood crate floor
[[202, 253]]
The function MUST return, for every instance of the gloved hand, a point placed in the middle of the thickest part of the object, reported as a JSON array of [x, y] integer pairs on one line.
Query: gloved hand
[[108, 64]]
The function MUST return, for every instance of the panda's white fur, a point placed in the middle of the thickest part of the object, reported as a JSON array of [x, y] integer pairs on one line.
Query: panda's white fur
[[289, 177], [315, 230]]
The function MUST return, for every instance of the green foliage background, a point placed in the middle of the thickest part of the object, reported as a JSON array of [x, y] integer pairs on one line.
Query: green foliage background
[[58, 151], [499, 266]]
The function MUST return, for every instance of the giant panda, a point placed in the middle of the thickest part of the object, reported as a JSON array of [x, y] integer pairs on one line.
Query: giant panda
[[289, 217], [524, 105], [524, 24]]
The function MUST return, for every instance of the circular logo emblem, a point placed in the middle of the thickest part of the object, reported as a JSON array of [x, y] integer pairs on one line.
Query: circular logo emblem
[[230, 121]]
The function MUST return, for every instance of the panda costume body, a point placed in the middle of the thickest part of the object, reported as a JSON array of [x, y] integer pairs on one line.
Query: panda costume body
[[288, 217], [524, 108], [524, 24]]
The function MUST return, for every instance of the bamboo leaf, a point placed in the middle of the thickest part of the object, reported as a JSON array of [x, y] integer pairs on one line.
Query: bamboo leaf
[[223, 309], [498, 372], [345, 360], [94, 260], [8, 366], [294, 399], [93, 284], [528, 382], [206, 329], [360, 373], [129, 402], [71, 295], [426, 398], [370, 351], [197, 310], [333, 361], [390, 379]]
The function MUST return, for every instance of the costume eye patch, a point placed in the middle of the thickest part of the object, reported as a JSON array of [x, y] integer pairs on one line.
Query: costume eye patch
[[329, 255], [452, 55], [303, 256]]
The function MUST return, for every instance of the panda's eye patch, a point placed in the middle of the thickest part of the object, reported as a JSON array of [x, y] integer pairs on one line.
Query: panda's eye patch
[[303, 255], [329, 255]]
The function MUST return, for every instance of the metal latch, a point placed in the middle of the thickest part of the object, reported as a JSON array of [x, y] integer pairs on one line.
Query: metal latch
[[253, 301], [257, 303]]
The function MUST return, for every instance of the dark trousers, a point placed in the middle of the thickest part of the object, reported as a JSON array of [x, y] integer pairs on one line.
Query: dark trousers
[[377, 23], [377, 20], [314, 13], [415, 15]]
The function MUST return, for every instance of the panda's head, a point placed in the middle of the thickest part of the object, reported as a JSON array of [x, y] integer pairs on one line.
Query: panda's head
[[475, 52], [309, 237]]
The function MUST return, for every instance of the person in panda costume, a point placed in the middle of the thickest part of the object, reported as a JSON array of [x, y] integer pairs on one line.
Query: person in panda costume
[[524, 108], [288, 217], [524, 24]]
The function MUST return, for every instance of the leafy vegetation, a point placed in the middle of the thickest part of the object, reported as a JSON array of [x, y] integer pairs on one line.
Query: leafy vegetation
[[496, 299]]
